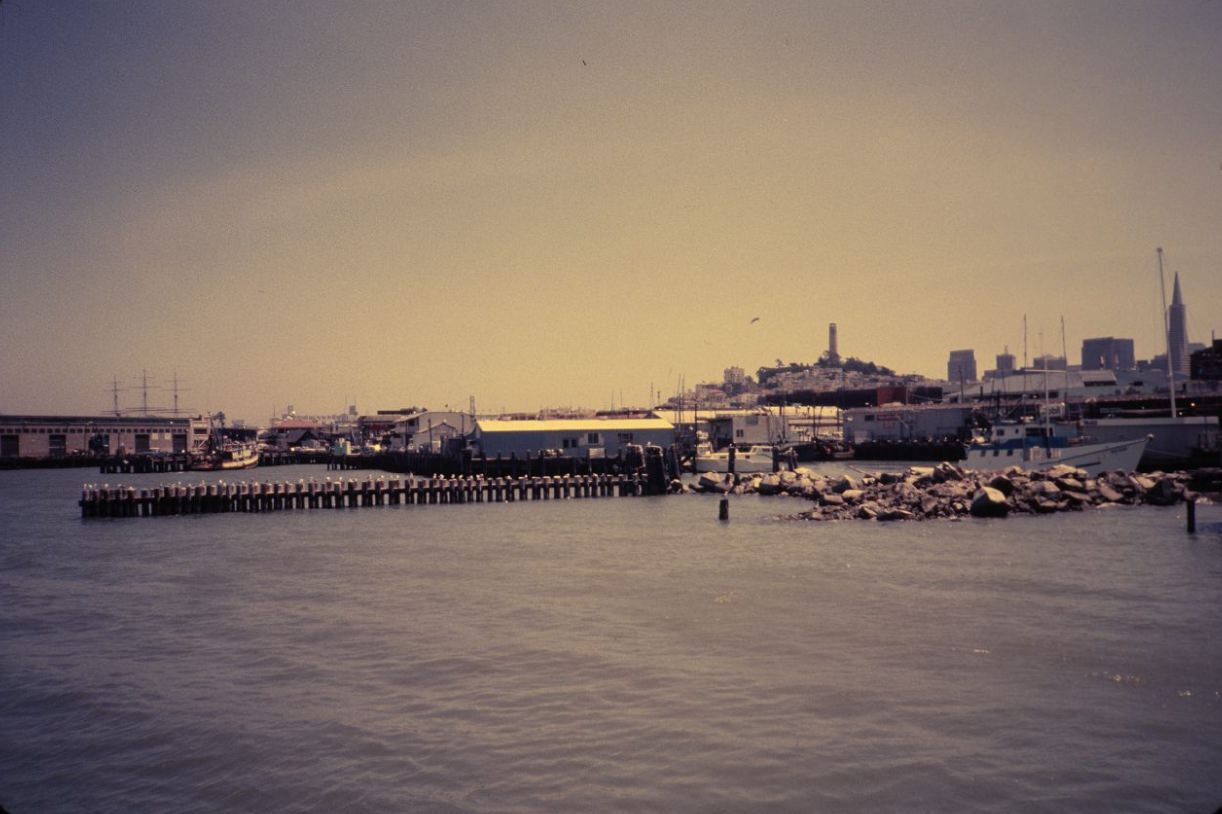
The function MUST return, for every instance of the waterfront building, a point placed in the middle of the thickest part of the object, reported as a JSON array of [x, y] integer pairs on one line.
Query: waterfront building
[[904, 422], [571, 437], [1206, 364], [430, 430], [51, 436], [1108, 353], [961, 367]]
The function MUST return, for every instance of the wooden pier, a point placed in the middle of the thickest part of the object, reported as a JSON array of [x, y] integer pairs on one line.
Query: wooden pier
[[252, 496]]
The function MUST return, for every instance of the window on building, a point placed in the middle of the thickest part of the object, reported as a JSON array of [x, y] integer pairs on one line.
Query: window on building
[[10, 446], [142, 442], [593, 439], [625, 438], [57, 444]]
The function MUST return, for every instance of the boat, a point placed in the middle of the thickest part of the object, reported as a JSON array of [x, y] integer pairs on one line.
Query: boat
[[1032, 447], [755, 458], [224, 455], [1180, 442], [821, 449]]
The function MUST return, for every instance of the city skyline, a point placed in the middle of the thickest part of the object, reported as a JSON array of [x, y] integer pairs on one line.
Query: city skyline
[[539, 205]]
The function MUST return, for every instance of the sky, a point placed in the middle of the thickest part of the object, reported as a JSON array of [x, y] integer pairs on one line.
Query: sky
[[582, 204]]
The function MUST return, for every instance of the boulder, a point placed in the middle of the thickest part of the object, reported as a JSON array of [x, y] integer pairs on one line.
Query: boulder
[[989, 502], [1109, 494], [832, 499], [895, 514], [769, 485], [1166, 492], [713, 482], [1002, 484]]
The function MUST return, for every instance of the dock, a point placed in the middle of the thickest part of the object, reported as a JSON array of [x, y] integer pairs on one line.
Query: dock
[[253, 496]]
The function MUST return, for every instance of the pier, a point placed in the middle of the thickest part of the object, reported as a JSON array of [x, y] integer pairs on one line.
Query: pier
[[252, 496]]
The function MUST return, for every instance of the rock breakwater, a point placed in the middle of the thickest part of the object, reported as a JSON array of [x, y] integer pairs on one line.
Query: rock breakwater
[[947, 491]]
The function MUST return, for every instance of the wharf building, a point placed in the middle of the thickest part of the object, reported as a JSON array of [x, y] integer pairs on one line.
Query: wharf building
[[569, 437], [55, 436], [1206, 364]]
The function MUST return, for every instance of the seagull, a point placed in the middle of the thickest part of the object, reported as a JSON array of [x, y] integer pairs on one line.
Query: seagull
[[754, 320]]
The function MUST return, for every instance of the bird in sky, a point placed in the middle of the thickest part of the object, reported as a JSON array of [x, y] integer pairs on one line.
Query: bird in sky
[[754, 320]]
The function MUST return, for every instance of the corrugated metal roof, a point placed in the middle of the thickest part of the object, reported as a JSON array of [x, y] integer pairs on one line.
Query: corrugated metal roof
[[574, 425]]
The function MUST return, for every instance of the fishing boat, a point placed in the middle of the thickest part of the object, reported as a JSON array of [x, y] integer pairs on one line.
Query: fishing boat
[[221, 453], [755, 458], [224, 455], [1032, 447]]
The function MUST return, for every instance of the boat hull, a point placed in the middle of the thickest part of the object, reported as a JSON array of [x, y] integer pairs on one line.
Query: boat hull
[[756, 459], [1094, 459]]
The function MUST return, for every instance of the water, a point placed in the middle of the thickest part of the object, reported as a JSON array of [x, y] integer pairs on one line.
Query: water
[[603, 655]]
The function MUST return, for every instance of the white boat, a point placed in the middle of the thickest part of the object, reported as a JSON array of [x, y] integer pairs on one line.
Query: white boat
[[1032, 447], [755, 458]]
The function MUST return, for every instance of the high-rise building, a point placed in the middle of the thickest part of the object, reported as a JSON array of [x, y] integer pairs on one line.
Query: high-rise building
[[833, 352], [1108, 353], [1177, 332], [961, 366], [1005, 363], [1047, 361]]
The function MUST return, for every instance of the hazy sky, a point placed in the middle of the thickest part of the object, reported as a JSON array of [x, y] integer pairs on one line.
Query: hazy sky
[[543, 204]]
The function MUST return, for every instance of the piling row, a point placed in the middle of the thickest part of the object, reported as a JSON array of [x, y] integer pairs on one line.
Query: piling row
[[253, 496]]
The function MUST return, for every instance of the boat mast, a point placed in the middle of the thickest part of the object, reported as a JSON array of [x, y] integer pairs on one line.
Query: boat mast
[[1162, 287]]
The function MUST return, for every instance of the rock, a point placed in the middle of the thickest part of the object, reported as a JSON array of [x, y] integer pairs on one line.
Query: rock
[[1109, 494], [1070, 485], [989, 502], [843, 484], [1042, 505], [1166, 492], [1002, 484], [867, 511], [896, 514], [1063, 471], [832, 499], [713, 482], [852, 495], [948, 471], [769, 485]]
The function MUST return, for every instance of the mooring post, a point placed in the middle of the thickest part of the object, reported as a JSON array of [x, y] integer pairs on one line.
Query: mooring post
[[1192, 516], [723, 511]]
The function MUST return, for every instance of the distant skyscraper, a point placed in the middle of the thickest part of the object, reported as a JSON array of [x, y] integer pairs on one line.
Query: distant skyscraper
[[1005, 363], [961, 366], [1108, 353], [1177, 332], [833, 353]]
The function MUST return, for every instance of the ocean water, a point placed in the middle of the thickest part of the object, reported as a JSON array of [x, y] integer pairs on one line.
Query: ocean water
[[603, 655]]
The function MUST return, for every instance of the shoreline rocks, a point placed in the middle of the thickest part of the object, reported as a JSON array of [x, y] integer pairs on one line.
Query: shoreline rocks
[[947, 491]]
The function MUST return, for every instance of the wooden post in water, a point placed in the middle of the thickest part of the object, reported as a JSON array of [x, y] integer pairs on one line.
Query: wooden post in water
[[1192, 516], [732, 453], [723, 511]]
